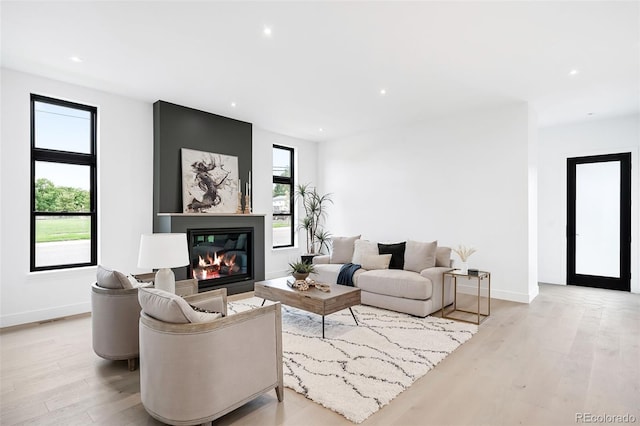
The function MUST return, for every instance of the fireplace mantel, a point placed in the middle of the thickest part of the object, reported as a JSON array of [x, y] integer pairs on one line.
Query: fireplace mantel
[[211, 214]]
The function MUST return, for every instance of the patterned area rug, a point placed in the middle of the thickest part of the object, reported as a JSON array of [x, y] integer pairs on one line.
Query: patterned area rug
[[356, 370]]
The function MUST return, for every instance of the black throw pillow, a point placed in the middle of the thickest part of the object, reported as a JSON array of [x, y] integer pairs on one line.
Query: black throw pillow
[[397, 254]]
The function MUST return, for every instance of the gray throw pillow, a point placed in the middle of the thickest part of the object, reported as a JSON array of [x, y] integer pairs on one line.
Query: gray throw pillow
[[443, 256], [376, 261], [342, 249], [419, 256], [362, 249], [107, 278]]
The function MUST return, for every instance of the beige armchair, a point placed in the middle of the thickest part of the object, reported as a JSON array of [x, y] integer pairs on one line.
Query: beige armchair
[[194, 369], [115, 314], [114, 321]]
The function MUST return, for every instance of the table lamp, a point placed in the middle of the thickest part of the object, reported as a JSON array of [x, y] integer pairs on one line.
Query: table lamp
[[163, 252]]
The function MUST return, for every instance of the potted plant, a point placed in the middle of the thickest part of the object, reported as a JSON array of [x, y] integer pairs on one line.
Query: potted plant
[[300, 269], [315, 209]]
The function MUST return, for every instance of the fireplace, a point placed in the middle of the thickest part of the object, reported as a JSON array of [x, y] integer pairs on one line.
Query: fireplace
[[220, 255]]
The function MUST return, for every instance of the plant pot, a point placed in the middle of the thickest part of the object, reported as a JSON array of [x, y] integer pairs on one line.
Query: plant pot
[[300, 275], [308, 258]]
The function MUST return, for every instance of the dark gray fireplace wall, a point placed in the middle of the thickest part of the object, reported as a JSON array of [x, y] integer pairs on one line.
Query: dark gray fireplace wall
[[176, 127], [182, 223]]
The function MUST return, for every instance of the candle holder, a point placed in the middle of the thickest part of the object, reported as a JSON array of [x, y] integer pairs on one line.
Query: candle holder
[[239, 210], [247, 204]]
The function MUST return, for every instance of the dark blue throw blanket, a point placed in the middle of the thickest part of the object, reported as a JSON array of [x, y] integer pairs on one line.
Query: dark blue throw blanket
[[345, 276]]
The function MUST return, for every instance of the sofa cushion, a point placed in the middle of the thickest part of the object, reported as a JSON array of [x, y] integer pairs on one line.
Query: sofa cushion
[[443, 256], [397, 283], [380, 261], [107, 278], [419, 256], [169, 307], [397, 254], [363, 248], [342, 249]]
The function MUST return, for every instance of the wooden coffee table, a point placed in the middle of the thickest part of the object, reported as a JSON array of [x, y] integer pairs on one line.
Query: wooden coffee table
[[313, 300]]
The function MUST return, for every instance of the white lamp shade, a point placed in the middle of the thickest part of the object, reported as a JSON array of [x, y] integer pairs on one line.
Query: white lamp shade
[[163, 251]]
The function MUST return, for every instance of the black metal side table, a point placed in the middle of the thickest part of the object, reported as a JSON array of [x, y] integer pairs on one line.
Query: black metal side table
[[454, 275]]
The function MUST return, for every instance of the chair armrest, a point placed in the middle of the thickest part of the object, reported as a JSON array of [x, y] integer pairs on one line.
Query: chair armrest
[[187, 287], [321, 260], [214, 300]]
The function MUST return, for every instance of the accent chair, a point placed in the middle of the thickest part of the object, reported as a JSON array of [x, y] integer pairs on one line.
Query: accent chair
[[198, 365]]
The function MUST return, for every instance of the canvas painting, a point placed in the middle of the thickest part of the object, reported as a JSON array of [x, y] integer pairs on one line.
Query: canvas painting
[[209, 182]]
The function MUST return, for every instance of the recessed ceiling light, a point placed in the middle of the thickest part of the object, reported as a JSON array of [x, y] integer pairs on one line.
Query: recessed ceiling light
[[233, 104], [573, 72], [383, 92], [321, 129], [267, 31], [75, 59], [589, 113]]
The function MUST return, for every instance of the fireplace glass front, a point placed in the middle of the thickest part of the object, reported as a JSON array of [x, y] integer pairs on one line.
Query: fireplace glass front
[[221, 255]]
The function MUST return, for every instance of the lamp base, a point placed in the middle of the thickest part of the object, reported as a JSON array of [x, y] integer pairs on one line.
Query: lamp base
[[165, 280]]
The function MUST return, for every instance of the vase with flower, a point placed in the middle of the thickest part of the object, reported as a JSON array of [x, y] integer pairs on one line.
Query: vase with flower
[[464, 253]]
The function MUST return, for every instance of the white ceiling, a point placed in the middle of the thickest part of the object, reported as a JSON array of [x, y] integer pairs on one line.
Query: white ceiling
[[325, 62]]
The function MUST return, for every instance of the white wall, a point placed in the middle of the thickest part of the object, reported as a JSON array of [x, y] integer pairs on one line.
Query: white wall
[[125, 143], [305, 171], [460, 179], [556, 144]]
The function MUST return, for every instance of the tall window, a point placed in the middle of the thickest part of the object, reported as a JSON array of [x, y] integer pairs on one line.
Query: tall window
[[63, 184], [283, 192]]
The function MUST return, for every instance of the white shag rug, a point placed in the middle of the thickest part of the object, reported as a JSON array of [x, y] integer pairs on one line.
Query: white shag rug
[[358, 369]]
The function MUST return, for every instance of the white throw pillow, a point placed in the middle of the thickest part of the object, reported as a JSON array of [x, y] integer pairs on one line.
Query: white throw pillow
[[134, 283], [378, 261], [342, 249], [363, 248], [169, 307], [419, 256]]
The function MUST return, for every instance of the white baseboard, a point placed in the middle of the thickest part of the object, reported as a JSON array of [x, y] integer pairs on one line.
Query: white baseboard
[[44, 314], [495, 293]]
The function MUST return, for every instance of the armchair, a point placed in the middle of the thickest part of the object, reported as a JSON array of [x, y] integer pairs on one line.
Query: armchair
[[115, 314], [194, 370]]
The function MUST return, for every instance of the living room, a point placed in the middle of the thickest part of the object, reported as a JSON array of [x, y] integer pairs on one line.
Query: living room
[[477, 169]]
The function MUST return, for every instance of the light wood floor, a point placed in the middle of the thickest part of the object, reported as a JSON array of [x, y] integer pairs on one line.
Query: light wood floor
[[572, 350]]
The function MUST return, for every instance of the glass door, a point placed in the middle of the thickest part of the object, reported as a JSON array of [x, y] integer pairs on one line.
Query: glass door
[[599, 221]]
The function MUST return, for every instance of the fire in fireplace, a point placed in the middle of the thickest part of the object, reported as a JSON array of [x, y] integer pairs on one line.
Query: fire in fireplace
[[220, 255]]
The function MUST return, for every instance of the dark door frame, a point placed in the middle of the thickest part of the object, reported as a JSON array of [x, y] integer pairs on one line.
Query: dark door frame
[[624, 282]]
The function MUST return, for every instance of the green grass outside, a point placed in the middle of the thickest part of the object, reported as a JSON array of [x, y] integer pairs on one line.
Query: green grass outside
[[63, 229], [277, 224]]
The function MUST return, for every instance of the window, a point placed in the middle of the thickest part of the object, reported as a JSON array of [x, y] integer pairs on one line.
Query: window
[[63, 184], [283, 191]]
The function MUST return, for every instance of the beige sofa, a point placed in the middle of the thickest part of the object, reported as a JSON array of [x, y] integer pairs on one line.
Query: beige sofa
[[414, 289]]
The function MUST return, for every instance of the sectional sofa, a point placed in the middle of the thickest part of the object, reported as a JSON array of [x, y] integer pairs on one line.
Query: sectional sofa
[[403, 277]]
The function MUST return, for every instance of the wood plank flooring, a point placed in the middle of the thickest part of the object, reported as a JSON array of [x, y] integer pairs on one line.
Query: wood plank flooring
[[572, 350]]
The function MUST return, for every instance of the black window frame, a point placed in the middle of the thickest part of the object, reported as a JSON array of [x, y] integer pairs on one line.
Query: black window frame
[[65, 157], [291, 182]]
